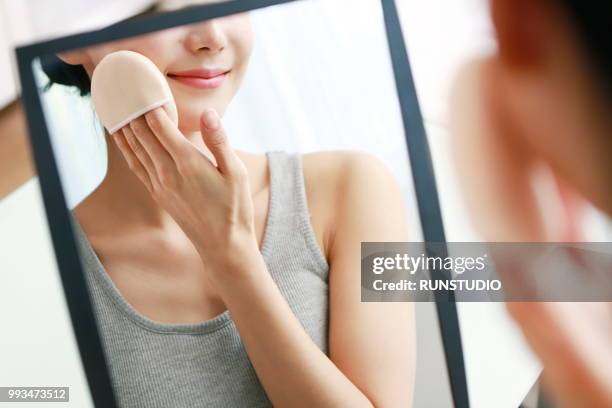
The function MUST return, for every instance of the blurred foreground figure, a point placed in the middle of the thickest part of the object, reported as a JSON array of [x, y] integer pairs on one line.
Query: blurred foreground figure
[[542, 106]]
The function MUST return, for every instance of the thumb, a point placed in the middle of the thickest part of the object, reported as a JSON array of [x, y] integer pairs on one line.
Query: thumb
[[216, 140]]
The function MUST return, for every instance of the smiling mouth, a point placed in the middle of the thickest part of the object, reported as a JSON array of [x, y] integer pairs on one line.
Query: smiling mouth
[[201, 78]]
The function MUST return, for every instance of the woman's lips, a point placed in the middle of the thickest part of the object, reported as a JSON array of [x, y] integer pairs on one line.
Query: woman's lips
[[201, 78]]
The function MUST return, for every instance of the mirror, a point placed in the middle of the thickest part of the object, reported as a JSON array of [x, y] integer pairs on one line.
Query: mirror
[[307, 99]]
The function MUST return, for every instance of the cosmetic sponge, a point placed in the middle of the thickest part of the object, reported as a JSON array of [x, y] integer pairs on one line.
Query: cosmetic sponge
[[126, 85]]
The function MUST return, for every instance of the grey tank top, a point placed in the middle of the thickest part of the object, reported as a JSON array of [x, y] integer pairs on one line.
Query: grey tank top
[[205, 364]]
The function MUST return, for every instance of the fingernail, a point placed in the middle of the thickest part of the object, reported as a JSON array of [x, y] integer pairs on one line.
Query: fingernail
[[211, 119]]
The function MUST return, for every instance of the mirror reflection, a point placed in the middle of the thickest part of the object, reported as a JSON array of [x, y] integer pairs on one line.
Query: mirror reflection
[[219, 210]]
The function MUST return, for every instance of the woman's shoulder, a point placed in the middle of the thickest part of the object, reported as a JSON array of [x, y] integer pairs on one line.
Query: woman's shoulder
[[338, 171], [344, 183]]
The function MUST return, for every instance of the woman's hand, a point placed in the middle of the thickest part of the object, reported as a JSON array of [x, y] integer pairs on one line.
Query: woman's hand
[[211, 203]]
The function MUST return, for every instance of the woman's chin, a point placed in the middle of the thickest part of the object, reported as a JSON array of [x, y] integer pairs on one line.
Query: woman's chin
[[189, 119], [189, 122], [187, 130]]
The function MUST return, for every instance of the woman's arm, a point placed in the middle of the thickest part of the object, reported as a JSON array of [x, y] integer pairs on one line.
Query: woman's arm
[[372, 347], [372, 343]]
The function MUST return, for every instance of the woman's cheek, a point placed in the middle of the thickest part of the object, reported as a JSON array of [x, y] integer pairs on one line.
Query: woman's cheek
[[246, 42]]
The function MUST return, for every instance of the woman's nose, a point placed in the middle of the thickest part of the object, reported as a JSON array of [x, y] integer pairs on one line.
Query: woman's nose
[[207, 37]]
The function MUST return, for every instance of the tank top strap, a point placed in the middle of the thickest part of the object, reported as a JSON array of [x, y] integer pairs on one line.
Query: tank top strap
[[290, 232]]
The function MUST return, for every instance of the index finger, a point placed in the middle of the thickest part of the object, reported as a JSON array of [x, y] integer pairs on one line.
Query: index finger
[[167, 133]]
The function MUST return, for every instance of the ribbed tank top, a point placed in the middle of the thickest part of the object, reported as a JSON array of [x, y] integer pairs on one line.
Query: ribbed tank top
[[205, 364]]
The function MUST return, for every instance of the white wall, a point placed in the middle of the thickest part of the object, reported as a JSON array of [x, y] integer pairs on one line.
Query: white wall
[[37, 345]]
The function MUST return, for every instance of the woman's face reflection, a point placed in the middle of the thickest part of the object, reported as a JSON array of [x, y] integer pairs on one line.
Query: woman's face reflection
[[178, 228], [204, 62]]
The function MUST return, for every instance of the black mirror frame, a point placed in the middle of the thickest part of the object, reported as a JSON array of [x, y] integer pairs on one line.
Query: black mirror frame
[[60, 227]]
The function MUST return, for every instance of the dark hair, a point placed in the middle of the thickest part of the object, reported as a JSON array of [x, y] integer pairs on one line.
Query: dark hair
[[62, 73], [592, 23]]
